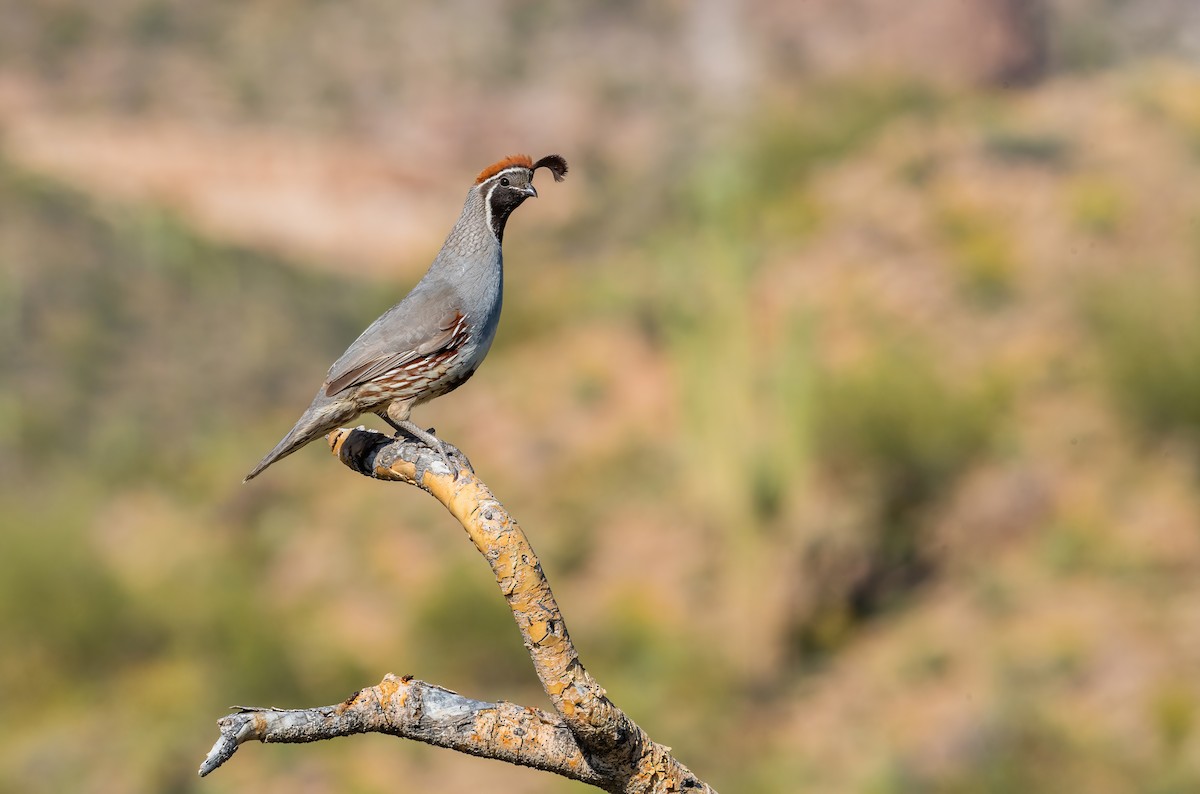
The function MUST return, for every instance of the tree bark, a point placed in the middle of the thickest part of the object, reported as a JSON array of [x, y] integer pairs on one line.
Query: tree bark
[[588, 739]]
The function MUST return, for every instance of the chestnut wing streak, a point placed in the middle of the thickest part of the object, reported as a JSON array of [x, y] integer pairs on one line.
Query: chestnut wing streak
[[451, 334]]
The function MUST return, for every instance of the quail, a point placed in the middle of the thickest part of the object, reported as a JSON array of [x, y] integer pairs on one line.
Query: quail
[[431, 342]]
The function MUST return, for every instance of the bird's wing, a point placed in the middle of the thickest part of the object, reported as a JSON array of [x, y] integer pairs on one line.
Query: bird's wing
[[447, 333]]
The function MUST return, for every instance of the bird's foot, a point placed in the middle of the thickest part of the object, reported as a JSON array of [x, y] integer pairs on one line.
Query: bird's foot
[[444, 450]]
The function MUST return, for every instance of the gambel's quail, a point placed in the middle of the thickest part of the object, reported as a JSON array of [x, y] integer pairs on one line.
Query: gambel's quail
[[431, 342]]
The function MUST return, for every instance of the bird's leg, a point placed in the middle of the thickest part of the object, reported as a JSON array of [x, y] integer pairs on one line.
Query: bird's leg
[[395, 426], [430, 440], [396, 414]]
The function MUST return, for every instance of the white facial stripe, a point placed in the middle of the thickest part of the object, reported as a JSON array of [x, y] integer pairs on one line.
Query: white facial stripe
[[499, 174], [494, 179], [487, 206]]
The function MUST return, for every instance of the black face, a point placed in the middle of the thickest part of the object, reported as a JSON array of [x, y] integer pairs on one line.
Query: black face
[[504, 193]]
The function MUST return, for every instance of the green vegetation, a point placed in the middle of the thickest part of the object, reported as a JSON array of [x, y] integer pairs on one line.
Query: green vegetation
[[1148, 332], [1098, 207], [981, 254], [896, 430]]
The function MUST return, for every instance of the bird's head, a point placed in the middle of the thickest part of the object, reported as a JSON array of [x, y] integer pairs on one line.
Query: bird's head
[[505, 184]]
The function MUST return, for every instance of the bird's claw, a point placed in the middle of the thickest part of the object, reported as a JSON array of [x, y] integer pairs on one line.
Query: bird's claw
[[429, 439], [446, 459], [444, 455], [453, 457]]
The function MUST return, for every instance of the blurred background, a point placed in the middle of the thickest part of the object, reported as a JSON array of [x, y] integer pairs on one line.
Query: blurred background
[[849, 387]]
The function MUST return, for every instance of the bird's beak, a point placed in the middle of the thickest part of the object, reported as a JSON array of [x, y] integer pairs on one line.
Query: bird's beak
[[530, 191]]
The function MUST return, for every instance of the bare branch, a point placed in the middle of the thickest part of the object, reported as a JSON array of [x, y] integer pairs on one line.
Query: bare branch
[[590, 739], [416, 710]]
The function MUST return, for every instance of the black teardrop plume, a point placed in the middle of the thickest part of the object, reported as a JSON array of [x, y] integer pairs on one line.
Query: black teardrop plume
[[556, 164]]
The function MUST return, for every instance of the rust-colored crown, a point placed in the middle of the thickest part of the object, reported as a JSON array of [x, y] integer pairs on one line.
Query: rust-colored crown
[[511, 161]]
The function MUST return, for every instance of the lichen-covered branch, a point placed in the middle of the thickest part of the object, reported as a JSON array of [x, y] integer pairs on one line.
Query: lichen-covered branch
[[618, 747], [589, 739], [426, 713]]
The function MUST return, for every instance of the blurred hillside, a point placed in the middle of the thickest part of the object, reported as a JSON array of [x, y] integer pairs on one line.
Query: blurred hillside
[[851, 398]]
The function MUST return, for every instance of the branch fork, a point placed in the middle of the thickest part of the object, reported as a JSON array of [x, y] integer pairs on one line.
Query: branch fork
[[587, 738]]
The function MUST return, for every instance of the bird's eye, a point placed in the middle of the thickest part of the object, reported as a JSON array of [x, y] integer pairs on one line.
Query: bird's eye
[[504, 181]]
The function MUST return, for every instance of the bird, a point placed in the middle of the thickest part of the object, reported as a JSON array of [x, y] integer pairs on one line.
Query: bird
[[434, 339]]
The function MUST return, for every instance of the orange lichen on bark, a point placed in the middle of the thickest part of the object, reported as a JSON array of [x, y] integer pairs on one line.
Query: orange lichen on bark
[[260, 724], [391, 687]]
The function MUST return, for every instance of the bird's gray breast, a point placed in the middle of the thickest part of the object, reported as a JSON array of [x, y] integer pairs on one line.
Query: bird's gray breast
[[484, 313], [480, 293]]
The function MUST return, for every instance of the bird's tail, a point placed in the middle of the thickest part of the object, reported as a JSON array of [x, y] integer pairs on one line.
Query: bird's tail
[[321, 417]]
